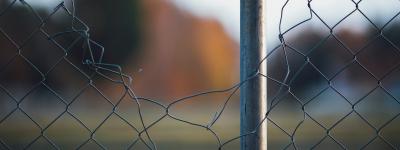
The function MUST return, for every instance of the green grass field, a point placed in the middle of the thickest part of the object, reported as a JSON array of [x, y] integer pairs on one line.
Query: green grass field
[[170, 134]]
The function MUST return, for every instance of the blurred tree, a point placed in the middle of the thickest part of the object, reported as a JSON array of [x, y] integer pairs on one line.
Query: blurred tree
[[117, 25]]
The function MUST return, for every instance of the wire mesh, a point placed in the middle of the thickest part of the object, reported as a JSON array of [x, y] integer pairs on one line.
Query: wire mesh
[[364, 130], [354, 124]]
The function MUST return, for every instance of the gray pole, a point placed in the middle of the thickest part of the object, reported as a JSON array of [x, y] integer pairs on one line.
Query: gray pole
[[253, 98]]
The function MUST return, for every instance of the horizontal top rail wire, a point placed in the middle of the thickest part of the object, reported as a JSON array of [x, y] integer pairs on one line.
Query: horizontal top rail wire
[[93, 60]]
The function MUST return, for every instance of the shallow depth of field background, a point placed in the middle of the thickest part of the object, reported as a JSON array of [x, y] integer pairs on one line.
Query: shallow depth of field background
[[175, 48]]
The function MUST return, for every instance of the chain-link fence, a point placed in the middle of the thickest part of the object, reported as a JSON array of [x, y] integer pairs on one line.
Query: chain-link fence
[[327, 89], [345, 85]]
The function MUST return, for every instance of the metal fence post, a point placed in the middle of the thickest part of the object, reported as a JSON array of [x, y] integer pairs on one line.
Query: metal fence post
[[253, 98]]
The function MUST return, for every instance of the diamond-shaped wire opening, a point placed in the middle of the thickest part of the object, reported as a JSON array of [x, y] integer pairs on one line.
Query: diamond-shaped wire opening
[[307, 35], [378, 108], [379, 12], [354, 82], [355, 32], [328, 108], [59, 22], [287, 113], [294, 8], [330, 56], [91, 107], [353, 132], [19, 22], [330, 15], [391, 132], [42, 105], [307, 83], [379, 57], [40, 46], [67, 133], [308, 134], [281, 61], [66, 80], [19, 77], [115, 133], [13, 126]]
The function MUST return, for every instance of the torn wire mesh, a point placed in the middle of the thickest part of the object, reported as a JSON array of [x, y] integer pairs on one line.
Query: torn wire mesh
[[325, 79]]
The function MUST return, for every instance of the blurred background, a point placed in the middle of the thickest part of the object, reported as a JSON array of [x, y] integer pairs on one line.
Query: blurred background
[[176, 48]]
